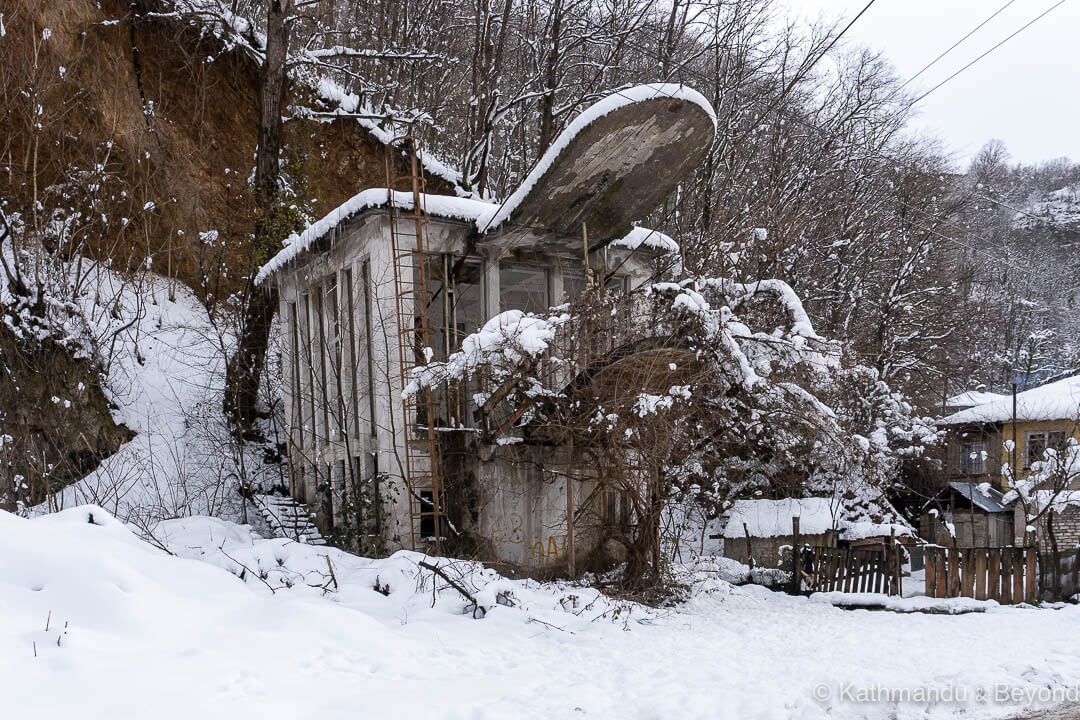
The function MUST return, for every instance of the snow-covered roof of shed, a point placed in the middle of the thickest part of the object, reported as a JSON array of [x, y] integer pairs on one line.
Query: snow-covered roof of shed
[[817, 515], [971, 398], [444, 206], [982, 495], [1058, 400], [652, 239]]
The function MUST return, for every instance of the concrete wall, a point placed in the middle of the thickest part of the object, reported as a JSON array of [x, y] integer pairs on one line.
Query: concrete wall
[[523, 503]]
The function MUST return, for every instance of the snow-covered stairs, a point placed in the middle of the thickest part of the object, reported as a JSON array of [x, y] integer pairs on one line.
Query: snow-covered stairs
[[288, 518]]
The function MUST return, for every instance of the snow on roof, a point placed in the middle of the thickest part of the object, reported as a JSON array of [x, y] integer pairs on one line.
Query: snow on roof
[[971, 398], [982, 495], [1053, 401], [620, 98], [486, 215], [444, 206], [772, 518], [653, 239]]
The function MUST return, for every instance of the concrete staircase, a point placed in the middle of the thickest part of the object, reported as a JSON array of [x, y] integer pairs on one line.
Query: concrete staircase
[[288, 518]]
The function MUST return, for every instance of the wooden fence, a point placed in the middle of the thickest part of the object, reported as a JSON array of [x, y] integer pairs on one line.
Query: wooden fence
[[1007, 575], [871, 568], [876, 569]]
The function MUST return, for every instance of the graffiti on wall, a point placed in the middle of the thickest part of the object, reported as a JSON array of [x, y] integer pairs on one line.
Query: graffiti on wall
[[544, 551], [551, 552]]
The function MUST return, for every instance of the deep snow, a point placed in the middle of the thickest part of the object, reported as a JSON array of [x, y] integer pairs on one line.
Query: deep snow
[[145, 634]]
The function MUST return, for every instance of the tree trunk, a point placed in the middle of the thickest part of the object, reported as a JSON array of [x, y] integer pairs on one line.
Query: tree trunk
[[271, 224], [551, 80]]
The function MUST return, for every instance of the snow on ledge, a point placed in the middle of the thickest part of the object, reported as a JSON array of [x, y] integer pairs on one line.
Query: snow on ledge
[[918, 603], [498, 214], [443, 206], [652, 239]]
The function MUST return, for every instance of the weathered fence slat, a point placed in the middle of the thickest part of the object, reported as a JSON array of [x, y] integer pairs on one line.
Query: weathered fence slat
[[993, 572], [930, 562], [980, 575], [967, 573], [1006, 576], [1031, 593]]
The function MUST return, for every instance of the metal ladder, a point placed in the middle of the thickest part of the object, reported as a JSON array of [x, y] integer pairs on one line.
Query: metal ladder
[[412, 291]]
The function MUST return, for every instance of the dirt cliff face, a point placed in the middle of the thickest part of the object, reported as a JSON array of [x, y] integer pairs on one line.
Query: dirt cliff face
[[127, 136], [56, 421], [148, 125]]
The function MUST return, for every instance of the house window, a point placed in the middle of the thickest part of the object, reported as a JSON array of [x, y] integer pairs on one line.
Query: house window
[[309, 357], [294, 369], [366, 493], [323, 388], [523, 287], [972, 457], [365, 271], [350, 320], [616, 284], [1037, 443], [573, 283], [335, 356]]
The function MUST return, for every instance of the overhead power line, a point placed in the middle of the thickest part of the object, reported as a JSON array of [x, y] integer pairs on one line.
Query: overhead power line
[[1022, 28], [954, 45]]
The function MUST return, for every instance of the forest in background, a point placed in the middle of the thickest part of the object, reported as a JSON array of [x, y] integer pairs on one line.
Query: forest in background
[[940, 276]]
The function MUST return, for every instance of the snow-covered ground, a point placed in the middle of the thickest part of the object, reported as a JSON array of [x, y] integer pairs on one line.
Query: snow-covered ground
[[134, 632]]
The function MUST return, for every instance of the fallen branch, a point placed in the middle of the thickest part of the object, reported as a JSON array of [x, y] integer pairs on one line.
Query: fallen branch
[[453, 583]]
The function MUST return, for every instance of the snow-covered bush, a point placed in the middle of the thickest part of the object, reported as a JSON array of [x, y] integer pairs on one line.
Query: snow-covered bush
[[691, 394]]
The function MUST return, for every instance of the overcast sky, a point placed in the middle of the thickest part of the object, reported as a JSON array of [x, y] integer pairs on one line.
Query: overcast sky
[[1026, 93]]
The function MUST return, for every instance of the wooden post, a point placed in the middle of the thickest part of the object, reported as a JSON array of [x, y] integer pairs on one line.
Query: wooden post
[[980, 573], [954, 571], [930, 563], [796, 569], [1030, 594], [1018, 575], [993, 575], [1006, 576], [967, 578], [570, 559], [749, 547]]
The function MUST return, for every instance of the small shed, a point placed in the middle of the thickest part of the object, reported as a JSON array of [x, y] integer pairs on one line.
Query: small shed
[[761, 529], [968, 514]]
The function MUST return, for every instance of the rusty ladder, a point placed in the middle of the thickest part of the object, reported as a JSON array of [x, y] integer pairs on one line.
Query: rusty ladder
[[412, 291]]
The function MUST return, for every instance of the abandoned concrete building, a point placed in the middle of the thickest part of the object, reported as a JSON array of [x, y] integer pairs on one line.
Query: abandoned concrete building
[[397, 277]]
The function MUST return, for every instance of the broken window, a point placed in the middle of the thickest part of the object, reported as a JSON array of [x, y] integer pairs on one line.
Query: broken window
[[336, 410], [294, 370], [1037, 443], [523, 287], [368, 345], [972, 457], [573, 284]]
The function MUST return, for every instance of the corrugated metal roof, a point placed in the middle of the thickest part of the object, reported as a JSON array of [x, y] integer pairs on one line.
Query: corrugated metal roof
[[981, 495]]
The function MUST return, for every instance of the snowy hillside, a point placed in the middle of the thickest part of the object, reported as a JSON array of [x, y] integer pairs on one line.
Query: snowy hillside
[[125, 630], [165, 379], [1057, 208]]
